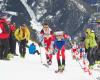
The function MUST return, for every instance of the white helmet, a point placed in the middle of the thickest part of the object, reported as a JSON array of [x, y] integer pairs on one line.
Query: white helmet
[[59, 33], [92, 31]]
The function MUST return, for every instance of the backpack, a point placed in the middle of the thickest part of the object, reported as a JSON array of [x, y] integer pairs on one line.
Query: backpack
[[7, 28], [32, 48]]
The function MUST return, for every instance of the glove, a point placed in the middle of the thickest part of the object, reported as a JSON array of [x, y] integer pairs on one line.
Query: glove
[[55, 51], [45, 45], [39, 44], [26, 41]]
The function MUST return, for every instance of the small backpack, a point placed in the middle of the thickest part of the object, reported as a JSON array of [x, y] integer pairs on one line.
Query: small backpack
[[7, 28], [32, 48]]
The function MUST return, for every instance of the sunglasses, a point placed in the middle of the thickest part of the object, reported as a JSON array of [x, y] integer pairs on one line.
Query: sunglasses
[[59, 35], [45, 27]]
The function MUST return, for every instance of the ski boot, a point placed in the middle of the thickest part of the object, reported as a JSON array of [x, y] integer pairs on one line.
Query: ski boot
[[90, 73], [15, 54], [81, 56], [62, 68], [84, 62], [85, 69], [22, 55], [59, 69], [74, 57], [9, 56], [49, 62], [91, 67]]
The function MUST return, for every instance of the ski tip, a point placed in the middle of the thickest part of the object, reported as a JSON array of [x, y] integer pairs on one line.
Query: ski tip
[[57, 71], [46, 65]]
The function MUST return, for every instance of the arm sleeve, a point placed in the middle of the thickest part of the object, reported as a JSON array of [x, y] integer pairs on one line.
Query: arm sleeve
[[28, 35], [40, 37], [16, 34], [52, 45]]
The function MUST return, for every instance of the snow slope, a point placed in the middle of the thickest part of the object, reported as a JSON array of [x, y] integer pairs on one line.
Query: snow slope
[[31, 68]]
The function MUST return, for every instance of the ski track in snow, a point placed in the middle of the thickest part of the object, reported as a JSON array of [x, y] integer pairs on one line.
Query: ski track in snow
[[31, 68]]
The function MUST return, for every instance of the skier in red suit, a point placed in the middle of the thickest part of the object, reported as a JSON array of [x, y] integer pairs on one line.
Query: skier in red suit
[[4, 38], [46, 39]]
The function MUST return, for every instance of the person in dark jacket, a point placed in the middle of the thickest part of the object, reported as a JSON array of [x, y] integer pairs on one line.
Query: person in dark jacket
[[22, 34], [98, 54], [12, 39]]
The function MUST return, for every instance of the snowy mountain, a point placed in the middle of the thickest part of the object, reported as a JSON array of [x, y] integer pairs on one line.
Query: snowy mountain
[[63, 14], [70, 16], [67, 15]]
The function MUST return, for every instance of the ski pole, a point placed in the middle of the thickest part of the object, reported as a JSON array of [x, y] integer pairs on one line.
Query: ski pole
[[41, 59], [40, 55], [90, 74]]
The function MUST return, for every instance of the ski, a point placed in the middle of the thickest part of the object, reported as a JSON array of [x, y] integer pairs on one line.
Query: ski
[[46, 65], [59, 71], [97, 70]]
